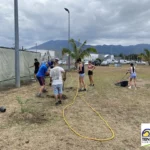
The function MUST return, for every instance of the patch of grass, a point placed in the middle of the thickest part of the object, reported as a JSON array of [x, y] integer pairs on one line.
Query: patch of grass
[[41, 121], [147, 85], [29, 114], [24, 107]]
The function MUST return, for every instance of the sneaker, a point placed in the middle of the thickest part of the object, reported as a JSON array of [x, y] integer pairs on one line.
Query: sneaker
[[45, 91], [80, 90], [84, 90], [129, 87], [57, 103], [91, 84], [38, 95]]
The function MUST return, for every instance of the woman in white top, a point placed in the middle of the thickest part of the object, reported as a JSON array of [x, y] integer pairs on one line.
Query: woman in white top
[[132, 76]]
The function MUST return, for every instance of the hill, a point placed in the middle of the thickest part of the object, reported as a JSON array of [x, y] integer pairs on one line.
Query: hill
[[102, 49]]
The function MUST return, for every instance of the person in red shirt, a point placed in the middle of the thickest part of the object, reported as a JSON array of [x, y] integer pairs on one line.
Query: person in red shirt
[[91, 67]]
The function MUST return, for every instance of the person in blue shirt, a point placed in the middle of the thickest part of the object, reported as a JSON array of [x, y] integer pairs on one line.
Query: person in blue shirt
[[42, 72]]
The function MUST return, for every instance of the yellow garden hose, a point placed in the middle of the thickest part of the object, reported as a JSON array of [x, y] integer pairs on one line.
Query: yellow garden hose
[[80, 135]]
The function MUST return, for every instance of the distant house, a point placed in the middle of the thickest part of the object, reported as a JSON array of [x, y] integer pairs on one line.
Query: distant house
[[110, 59], [45, 54], [92, 57]]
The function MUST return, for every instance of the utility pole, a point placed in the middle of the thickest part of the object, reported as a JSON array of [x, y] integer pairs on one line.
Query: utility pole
[[66, 9], [17, 66], [36, 47]]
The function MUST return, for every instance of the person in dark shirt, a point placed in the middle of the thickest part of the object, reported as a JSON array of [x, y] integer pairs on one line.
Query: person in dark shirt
[[36, 65], [81, 75], [51, 64]]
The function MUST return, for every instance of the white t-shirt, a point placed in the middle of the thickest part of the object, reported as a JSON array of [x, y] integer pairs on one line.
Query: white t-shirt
[[132, 70], [56, 75]]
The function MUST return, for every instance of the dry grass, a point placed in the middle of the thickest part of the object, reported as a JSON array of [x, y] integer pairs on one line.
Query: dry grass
[[32, 123]]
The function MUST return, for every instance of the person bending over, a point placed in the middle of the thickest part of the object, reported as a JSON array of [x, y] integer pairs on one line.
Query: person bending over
[[41, 78]]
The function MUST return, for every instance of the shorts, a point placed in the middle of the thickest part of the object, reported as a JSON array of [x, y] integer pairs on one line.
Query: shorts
[[57, 89], [41, 80], [81, 75], [36, 71], [133, 76], [90, 72]]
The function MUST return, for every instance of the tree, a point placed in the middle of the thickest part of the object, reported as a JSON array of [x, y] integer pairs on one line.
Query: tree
[[146, 56], [140, 56], [121, 55], [78, 51]]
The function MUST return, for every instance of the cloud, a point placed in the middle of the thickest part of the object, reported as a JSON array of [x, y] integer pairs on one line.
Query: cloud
[[98, 22]]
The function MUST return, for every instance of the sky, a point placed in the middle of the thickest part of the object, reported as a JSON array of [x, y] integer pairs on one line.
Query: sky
[[110, 22]]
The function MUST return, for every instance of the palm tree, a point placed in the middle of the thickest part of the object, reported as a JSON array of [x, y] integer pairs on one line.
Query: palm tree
[[140, 57], [78, 52], [145, 56]]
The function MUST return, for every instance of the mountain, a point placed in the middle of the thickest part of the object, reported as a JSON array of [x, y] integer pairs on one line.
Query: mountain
[[102, 49], [117, 49]]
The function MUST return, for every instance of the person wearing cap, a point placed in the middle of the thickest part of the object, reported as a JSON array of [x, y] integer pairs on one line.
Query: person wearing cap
[[42, 72], [57, 81]]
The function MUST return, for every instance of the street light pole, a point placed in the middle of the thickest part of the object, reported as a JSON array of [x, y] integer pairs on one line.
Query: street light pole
[[17, 66], [36, 47], [68, 35]]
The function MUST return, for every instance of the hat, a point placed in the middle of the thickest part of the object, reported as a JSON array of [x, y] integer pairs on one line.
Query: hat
[[57, 59], [49, 63]]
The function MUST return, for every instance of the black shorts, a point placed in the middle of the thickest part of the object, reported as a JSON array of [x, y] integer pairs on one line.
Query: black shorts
[[90, 72], [36, 71], [41, 80]]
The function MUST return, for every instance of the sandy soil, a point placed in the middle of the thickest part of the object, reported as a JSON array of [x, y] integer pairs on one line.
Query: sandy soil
[[32, 123]]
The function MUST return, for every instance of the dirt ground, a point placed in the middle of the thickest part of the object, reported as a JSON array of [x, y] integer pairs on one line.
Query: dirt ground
[[32, 123]]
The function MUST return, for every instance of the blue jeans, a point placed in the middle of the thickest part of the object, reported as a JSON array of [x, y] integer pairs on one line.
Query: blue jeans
[[81, 74], [133, 76], [57, 89]]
